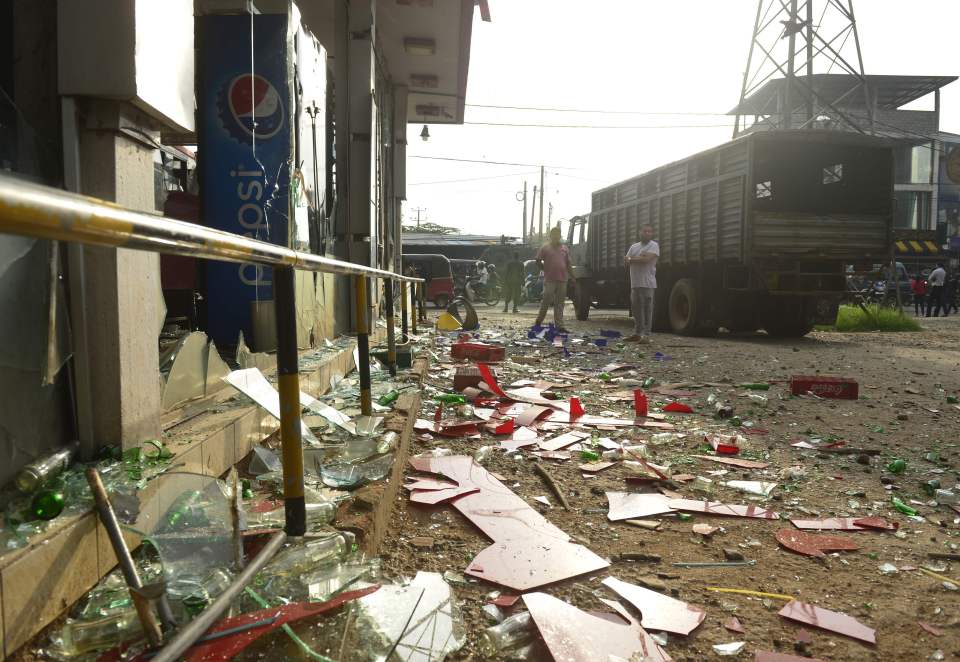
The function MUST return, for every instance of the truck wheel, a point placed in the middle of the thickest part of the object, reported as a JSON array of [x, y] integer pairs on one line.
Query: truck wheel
[[582, 301], [683, 307]]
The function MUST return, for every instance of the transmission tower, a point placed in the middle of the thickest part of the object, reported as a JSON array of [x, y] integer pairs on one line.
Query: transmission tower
[[804, 69]]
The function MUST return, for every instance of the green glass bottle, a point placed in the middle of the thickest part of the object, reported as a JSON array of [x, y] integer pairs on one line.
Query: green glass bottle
[[388, 398], [902, 507], [757, 386], [452, 399], [47, 504], [589, 456]]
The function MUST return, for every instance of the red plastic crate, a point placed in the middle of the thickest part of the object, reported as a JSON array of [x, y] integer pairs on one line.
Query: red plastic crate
[[843, 388], [477, 351]]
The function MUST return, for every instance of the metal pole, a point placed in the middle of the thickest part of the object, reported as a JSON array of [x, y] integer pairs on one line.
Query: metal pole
[[543, 197], [810, 101], [203, 622], [403, 312], [523, 233], [109, 520], [363, 344], [533, 209], [391, 331], [746, 72], [288, 383], [786, 120], [414, 308], [421, 303]]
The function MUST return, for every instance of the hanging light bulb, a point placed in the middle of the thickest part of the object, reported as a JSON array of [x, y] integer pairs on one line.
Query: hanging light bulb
[[425, 134]]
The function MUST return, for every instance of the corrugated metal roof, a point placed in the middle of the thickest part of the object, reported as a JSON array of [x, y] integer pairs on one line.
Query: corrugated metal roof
[[892, 91], [429, 239]]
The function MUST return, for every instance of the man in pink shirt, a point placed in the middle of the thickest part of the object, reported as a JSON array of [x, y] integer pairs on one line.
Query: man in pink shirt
[[555, 262]]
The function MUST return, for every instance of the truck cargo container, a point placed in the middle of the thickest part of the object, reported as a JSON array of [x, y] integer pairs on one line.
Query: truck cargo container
[[759, 232]]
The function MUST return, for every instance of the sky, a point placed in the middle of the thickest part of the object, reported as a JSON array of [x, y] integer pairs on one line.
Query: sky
[[683, 58]]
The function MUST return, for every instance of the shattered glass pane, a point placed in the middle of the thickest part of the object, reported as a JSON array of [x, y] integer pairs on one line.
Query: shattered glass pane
[[418, 622], [186, 518]]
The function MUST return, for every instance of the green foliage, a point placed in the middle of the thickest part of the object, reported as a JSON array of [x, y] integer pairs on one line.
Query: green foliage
[[874, 318]]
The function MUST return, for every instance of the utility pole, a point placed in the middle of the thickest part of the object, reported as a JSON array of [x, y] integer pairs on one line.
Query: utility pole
[[523, 234], [550, 215], [543, 195], [418, 210], [533, 209]]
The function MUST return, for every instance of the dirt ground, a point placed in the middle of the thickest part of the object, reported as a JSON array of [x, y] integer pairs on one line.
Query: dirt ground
[[903, 412]]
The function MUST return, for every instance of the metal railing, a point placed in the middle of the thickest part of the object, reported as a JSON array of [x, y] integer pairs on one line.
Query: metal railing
[[43, 212]]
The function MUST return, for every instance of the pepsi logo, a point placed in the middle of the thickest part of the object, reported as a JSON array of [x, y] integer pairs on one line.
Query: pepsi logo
[[255, 108]]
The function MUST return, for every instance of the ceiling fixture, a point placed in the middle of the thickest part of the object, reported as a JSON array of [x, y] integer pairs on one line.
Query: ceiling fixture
[[429, 81], [425, 134], [419, 45]]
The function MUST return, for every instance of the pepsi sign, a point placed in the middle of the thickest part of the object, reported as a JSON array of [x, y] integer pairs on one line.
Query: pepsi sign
[[245, 154]]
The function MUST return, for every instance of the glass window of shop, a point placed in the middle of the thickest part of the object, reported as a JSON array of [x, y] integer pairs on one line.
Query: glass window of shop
[[913, 211], [914, 164]]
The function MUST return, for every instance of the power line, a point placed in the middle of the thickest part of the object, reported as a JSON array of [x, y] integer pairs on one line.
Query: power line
[[605, 126], [449, 158], [472, 179], [585, 110]]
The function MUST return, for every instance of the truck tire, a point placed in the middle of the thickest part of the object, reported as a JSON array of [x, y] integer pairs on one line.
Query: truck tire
[[582, 300], [683, 307]]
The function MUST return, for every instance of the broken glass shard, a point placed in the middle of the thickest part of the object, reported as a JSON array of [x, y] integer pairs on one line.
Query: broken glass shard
[[659, 612]]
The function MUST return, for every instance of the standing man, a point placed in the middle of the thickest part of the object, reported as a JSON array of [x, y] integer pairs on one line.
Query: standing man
[[512, 282], [554, 259], [641, 260], [935, 291]]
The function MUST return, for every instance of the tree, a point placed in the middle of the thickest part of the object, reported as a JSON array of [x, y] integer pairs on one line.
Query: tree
[[431, 228]]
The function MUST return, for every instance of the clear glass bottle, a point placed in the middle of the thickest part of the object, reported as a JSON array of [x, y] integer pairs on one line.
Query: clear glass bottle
[[513, 632], [35, 474]]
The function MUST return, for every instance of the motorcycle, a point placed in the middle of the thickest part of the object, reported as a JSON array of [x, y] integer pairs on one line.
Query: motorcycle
[[533, 288], [488, 293]]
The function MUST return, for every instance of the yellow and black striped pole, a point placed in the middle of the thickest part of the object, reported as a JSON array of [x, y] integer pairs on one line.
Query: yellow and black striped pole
[[363, 344], [391, 331], [403, 312], [288, 376]]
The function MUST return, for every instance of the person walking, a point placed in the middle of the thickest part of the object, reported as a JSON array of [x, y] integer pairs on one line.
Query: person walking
[[950, 294], [512, 281], [554, 259], [641, 260], [918, 285], [935, 283]]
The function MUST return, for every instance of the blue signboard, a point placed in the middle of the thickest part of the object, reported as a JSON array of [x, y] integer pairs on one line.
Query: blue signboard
[[245, 152]]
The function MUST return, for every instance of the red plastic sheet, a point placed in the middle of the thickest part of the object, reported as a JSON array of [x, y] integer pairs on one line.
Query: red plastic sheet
[[723, 444], [640, 404], [490, 379], [228, 647], [734, 625], [629, 505], [659, 612], [812, 544], [528, 551], [825, 619], [724, 509], [574, 635], [844, 524], [564, 440], [576, 409], [735, 462], [678, 408], [767, 656]]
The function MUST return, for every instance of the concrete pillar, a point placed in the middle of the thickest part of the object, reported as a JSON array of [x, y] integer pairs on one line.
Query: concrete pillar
[[122, 287], [361, 130]]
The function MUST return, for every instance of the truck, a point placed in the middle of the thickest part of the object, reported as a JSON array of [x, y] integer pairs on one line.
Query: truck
[[758, 233]]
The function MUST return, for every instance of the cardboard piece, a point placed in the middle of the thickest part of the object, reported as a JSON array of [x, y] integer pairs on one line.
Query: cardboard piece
[[659, 612], [825, 619]]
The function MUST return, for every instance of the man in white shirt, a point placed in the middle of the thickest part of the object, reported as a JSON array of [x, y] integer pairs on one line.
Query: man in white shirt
[[935, 301], [641, 260]]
